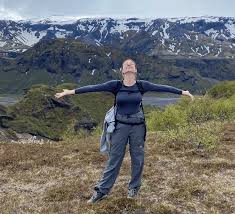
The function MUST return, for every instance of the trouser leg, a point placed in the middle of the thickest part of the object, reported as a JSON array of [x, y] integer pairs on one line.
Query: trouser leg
[[136, 148], [119, 139]]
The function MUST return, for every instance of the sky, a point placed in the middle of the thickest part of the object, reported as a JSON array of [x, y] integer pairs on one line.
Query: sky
[[29, 9]]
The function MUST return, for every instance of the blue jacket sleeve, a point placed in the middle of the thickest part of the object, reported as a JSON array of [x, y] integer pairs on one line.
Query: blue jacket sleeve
[[148, 86], [108, 86]]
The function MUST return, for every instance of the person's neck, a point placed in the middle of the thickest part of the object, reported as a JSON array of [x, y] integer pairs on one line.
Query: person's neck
[[129, 81]]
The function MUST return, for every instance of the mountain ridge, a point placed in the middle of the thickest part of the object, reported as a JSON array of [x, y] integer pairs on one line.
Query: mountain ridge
[[205, 36]]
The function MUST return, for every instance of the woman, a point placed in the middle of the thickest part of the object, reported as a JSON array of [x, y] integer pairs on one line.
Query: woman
[[128, 103]]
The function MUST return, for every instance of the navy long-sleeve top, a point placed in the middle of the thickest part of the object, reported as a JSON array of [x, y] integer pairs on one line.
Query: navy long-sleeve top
[[128, 102]]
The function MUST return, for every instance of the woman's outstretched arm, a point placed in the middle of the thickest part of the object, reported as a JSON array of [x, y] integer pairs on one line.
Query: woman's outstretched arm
[[149, 86], [108, 86]]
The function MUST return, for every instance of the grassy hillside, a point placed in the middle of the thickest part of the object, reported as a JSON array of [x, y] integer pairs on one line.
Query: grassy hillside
[[189, 165], [39, 113], [225, 89], [59, 178], [60, 61]]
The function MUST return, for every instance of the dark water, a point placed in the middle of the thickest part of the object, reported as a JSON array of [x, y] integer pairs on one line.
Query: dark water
[[157, 101], [6, 101]]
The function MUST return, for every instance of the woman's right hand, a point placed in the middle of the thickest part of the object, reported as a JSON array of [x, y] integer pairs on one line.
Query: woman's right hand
[[187, 93], [61, 94]]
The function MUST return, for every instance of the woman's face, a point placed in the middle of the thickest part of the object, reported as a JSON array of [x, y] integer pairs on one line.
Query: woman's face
[[128, 66]]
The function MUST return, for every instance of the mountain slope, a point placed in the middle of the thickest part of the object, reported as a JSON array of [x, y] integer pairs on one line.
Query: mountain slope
[[187, 36], [54, 61]]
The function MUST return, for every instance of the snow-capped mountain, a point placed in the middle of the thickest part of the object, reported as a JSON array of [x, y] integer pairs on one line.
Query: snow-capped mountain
[[187, 36]]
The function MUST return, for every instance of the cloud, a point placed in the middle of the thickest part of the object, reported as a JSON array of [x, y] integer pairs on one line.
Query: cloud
[[27, 9], [6, 13]]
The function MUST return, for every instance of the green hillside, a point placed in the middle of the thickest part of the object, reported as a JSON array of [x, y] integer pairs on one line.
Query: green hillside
[[60, 61]]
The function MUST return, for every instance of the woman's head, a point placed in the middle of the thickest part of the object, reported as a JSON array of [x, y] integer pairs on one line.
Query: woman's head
[[129, 68]]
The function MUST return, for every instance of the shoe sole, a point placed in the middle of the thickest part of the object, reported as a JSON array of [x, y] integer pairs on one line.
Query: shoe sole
[[93, 202], [133, 197]]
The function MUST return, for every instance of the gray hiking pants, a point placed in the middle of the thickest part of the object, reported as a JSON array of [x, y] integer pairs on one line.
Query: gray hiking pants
[[124, 133]]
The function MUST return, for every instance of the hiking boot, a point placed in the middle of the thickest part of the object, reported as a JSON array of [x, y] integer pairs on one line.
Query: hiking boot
[[97, 196], [132, 193]]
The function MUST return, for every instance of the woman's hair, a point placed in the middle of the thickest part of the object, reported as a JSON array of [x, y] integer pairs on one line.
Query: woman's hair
[[124, 62], [128, 59]]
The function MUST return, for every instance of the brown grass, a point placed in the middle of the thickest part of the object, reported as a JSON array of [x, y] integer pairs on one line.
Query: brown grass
[[59, 178]]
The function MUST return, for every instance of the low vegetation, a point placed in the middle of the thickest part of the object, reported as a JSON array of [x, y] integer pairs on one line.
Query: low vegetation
[[189, 165]]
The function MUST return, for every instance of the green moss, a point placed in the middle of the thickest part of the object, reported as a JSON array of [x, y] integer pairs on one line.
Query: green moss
[[3, 110], [33, 126], [224, 89]]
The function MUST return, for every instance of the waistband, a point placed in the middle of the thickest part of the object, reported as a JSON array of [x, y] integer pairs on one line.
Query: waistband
[[136, 118]]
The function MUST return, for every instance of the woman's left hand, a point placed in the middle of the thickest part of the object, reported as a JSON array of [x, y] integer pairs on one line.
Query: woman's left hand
[[187, 93]]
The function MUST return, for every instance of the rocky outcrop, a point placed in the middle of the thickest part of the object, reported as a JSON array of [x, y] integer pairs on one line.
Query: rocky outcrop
[[39, 115]]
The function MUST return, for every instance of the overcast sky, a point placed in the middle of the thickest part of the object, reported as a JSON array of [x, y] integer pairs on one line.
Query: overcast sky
[[27, 9]]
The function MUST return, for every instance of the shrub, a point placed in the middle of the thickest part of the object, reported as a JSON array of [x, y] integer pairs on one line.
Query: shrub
[[224, 89], [206, 134], [170, 118]]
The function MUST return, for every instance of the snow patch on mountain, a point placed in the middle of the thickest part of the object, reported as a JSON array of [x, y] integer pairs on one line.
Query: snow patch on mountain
[[29, 38], [164, 28], [231, 28], [2, 43], [185, 20], [213, 33], [167, 35]]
